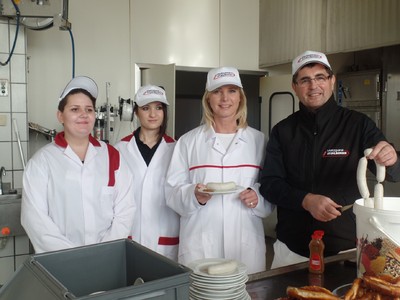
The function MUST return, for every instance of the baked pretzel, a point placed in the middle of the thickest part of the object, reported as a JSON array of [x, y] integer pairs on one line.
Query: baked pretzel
[[353, 291], [310, 292], [385, 287]]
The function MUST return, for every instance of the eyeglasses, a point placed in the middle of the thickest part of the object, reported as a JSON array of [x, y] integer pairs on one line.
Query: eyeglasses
[[319, 79]]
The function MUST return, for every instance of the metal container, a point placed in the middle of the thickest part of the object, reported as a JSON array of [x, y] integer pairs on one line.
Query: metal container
[[10, 215], [101, 271]]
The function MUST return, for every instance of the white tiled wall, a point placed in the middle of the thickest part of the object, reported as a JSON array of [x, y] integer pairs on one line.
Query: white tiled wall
[[14, 250]]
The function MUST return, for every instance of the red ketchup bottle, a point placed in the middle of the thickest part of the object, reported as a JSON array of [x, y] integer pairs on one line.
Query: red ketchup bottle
[[316, 264]]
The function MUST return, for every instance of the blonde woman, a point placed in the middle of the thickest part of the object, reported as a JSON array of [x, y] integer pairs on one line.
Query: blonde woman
[[223, 149]]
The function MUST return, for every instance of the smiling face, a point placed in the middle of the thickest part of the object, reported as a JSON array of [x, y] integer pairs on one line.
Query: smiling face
[[224, 102], [151, 115], [78, 116], [317, 92]]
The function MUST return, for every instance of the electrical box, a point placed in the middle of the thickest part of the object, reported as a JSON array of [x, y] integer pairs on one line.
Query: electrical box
[[28, 8], [3, 87], [37, 14]]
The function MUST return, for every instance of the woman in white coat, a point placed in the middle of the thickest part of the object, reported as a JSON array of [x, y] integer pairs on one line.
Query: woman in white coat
[[76, 190], [223, 149], [148, 151]]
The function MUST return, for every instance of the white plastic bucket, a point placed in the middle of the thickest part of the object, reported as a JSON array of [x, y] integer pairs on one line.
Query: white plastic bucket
[[378, 238]]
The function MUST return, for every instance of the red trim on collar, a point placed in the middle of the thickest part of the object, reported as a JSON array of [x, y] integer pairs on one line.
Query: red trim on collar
[[62, 142], [93, 141], [168, 139], [128, 137]]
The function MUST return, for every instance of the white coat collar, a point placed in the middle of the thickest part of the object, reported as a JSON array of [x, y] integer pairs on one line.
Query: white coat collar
[[210, 133]]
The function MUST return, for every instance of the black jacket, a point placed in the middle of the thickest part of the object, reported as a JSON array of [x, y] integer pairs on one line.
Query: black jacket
[[318, 153]]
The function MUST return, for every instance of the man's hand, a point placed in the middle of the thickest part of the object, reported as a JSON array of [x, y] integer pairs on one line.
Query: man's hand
[[384, 153], [320, 207]]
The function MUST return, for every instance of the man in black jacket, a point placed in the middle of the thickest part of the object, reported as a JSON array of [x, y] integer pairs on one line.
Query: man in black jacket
[[311, 162]]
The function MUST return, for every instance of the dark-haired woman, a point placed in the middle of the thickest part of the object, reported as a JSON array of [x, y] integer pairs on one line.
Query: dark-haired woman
[[148, 151]]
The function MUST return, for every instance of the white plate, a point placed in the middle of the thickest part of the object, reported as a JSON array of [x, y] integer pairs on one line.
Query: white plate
[[211, 296], [200, 267], [218, 285], [210, 290], [237, 189]]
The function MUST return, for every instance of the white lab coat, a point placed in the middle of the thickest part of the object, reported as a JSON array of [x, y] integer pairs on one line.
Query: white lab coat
[[156, 226], [224, 227], [67, 203]]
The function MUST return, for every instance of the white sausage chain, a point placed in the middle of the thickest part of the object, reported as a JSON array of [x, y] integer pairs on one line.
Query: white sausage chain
[[362, 182]]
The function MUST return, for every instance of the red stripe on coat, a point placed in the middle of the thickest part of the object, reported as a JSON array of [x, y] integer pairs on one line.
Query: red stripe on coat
[[224, 167], [168, 241], [113, 157]]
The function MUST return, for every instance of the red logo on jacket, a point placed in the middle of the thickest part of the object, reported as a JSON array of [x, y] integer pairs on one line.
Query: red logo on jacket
[[336, 153]]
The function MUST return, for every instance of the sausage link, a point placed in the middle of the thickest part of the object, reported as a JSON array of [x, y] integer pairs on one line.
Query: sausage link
[[362, 177]]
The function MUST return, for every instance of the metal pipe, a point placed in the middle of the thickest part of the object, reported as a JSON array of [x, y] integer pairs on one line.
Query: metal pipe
[[2, 173], [21, 153], [108, 115]]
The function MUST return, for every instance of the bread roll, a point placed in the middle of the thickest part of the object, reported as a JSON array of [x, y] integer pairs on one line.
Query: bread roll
[[221, 186]]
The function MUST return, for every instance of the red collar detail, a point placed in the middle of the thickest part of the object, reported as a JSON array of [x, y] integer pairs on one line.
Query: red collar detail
[[62, 142], [168, 139]]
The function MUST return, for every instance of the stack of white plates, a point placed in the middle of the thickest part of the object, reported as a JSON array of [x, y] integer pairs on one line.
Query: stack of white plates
[[230, 286]]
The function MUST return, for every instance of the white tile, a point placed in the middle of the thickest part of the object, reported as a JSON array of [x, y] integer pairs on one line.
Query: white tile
[[5, 131], [5, 150], [16, 156], [18, 94], [20, 44], [17, 182], [21, 126], [18, 68], [4, 34], [21, 245], [4, 70], [7, 245], [6, 269], [5, 103]]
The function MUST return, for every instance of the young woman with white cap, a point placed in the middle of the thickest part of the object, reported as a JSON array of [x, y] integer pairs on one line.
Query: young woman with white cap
[[223, 149], [148, 151], [76, 190]]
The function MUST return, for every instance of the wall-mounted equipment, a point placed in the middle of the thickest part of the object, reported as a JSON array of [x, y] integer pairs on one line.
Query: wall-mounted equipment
[[37, 14]]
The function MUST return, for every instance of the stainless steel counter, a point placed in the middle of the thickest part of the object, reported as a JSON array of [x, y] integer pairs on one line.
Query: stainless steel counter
[[339, 269]]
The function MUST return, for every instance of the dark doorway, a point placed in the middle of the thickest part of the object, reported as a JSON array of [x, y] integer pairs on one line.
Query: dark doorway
[[190, 87]]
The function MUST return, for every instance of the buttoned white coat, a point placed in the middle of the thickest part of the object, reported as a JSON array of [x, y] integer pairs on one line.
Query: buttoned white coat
[[67, 203], [224, 227], [155, 226]]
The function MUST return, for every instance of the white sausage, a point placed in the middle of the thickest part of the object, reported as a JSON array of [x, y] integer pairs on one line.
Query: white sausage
[[378, 196], [367, 151], [223, 268], [362, 177], [221, 186], [380, 172]]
